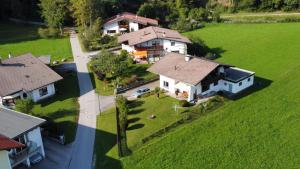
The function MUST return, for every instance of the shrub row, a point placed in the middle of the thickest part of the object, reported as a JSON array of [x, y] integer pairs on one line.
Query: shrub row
[[188, 116]]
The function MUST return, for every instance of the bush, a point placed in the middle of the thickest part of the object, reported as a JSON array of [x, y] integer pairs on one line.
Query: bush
[[24, 106], [49, 32], [184, 103], [186, 116], [43, 33]]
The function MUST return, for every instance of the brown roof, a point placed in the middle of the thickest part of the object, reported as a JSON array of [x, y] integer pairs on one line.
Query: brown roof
[[6, 143], [174, 66], [151, 32], [132, 17], [25, 72]]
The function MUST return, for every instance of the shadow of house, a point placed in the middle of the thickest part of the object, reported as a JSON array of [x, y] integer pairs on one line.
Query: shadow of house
[[259, 84], [215, 53]]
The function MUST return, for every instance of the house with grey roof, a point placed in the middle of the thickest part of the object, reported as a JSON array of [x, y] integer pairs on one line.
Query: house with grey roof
[[151, 43], [24, 129], [26, 76], [194, 77]]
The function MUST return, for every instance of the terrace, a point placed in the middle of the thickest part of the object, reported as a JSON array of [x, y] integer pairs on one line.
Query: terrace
[[145, 52], [19, 155]]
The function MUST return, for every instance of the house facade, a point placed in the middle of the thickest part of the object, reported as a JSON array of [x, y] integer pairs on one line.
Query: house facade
[[25, 77], [126, 22], [192, 78], [24, 129], [152, 43]]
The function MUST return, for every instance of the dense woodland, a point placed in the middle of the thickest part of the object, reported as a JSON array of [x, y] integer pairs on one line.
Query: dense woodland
[[164, 9]]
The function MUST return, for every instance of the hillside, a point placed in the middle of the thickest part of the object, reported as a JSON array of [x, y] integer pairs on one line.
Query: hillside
[[260, 130]]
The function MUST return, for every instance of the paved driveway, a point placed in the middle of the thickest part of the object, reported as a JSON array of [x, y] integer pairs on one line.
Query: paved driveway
[[151, 86], [57, 156]]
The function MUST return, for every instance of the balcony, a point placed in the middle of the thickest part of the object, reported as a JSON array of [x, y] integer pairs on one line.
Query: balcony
[[145, 52], [19, 157]]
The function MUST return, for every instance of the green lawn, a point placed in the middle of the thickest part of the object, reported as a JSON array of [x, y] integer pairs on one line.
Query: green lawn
[[63, 108], [260, 130], [20, 39], [106, 88], [139, 127]]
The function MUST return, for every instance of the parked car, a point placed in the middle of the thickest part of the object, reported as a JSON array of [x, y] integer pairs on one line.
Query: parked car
[[36, 158], [140, 92]]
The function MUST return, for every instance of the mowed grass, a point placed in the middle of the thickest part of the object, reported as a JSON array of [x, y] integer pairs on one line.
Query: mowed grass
[[260, 130], [140, 126], [20, 39], [63, 108]]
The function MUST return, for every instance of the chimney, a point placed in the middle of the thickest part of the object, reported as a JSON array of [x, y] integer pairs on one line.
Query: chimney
[[187, 58]]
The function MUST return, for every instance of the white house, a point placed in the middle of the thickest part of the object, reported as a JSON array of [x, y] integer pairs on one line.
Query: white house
[[194, 77], [126, 22], [153, 42], [26, 76], [24, 129]]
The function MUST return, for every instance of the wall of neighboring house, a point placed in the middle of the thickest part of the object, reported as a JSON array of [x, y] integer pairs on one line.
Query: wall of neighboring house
[[4, 160], [167, 46], [36, 137], [36, 94], [128, 48], [171, 84], [238, 86], [133, 26], [111, 26], [174, 46]]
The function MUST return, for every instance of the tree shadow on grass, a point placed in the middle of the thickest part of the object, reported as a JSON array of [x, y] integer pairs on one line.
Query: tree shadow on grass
[[136, 111], [260, 83], [216, 53], [105, 141], [135, 103], [133, 120], [136, 126]]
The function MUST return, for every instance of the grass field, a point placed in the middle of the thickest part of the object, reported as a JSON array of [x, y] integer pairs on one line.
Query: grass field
[[261, 17], [63, 108], [260, 130], [21, 39], [140, 126]]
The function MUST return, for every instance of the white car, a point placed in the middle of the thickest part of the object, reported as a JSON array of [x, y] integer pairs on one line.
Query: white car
[[140, 92]]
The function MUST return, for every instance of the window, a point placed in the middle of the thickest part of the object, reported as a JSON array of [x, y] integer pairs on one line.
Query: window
[[43, 91], [111, 31], [155, 43], [216, 83], [25, 95], [166, 84], [249, 79], [225, 83], [240, 84], [172, 43], [205, 88]]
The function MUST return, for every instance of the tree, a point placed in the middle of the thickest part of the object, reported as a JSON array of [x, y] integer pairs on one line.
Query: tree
[[198, 14], [54, 12], [109, 64], [24, 106]]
